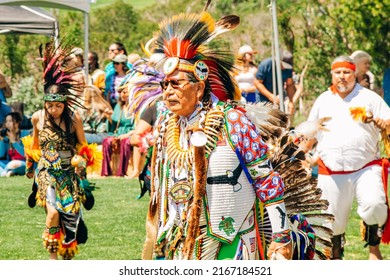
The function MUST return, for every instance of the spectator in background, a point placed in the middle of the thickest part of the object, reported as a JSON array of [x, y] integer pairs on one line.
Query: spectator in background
[[97, 76], [113, 82], [133, 58], [363, 74], [142, 129], [120, 130], [246, 75], [96, 115], [12, 149], [114, 49], [26, 121], [4, 110], [76, 61], [264, 84], [5, 89]]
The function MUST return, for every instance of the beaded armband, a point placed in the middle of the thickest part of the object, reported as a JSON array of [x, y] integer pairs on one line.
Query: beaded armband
[[29, 165], [259, 168], [278, 216]]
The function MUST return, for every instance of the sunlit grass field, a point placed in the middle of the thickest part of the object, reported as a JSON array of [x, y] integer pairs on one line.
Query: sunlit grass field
[[115, 224]]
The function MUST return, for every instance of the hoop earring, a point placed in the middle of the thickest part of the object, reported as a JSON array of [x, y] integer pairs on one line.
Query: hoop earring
[[199, 105]]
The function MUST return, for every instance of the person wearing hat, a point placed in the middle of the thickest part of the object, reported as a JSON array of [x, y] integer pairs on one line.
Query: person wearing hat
[[264, 80], [112, 82], [349, 165], [113, 50], [246, 73], [211, 177]]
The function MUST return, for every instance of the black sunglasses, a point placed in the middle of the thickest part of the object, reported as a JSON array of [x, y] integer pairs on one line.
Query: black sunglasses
[[117, 62], [175, 83]]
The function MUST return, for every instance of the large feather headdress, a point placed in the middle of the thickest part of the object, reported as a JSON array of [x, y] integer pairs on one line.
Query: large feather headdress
[[183, 43], [58, 77]]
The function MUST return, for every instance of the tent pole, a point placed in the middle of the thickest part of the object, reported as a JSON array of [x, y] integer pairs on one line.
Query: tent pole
[[56, 34], [86, 45], [277, 55]]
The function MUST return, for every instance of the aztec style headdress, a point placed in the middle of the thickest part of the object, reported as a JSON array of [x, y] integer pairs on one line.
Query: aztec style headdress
[[183, 43], [59, 84]]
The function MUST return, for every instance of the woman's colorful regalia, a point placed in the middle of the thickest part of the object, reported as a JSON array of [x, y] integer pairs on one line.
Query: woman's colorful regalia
[[55, 180]]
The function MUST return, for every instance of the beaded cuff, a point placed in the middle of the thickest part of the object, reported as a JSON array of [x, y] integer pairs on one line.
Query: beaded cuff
[[259, 169], [29, 165]]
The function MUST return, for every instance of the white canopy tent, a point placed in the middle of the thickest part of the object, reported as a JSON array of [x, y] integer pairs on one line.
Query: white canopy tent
[[80, 5], [27, 20]]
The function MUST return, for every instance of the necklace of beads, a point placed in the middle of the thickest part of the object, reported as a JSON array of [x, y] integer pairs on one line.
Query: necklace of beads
[[211, 123]]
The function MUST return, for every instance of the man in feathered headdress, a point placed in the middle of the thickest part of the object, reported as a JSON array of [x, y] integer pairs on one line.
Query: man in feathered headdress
[[212, 181]]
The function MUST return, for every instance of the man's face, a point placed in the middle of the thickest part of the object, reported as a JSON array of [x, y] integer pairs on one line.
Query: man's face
[[113, 51], [343, 79], [181, 94], [91, 60]]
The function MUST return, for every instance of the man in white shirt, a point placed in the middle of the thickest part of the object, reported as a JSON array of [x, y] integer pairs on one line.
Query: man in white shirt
[[350, 165]]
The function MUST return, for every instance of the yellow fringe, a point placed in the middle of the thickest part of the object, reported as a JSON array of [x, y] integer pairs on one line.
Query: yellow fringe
[[67, 252], [34, 154], [363, 229], [93, 156]]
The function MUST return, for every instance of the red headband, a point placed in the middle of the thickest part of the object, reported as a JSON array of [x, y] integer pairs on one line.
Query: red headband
[[344, 64]]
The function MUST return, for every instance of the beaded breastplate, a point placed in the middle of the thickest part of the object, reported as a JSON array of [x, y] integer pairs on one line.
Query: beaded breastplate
[[56, 149]]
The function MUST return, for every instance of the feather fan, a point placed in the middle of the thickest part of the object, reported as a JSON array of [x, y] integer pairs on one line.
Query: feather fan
[[144, 89], [302, 196]]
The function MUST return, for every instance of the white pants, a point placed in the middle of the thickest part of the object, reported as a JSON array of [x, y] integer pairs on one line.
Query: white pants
[[366, 186]]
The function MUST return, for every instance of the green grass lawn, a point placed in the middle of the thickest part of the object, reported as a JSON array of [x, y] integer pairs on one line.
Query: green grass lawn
[[115, 224]]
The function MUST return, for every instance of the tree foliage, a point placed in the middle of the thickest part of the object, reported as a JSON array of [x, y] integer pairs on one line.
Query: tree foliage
[[323, 30], [316, 31]]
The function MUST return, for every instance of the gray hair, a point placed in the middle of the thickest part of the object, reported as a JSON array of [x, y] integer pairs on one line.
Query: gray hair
[[359, 55]]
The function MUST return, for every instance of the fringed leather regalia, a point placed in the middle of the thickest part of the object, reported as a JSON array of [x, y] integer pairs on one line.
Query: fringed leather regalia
[[55, 153], [227, 180]]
